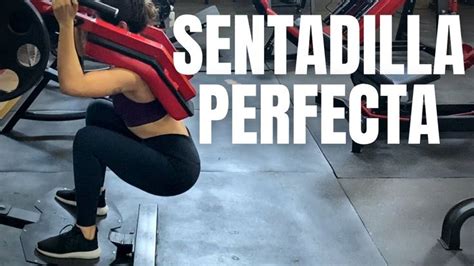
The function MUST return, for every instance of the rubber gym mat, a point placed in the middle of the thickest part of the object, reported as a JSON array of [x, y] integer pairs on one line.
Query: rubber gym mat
[[404, 217], [51, 99], [38, 147], [22, 189], [399, 161], [255, 218], [223, 156], [228, 218], [46, 147]]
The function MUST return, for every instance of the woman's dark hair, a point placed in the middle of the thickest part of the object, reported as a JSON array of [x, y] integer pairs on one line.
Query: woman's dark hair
[[136, 13]]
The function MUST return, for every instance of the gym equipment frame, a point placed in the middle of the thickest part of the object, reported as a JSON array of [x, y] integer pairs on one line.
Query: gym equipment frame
[[39, 74], [453, 117], [453, 222], [32, 73], [458, 117]]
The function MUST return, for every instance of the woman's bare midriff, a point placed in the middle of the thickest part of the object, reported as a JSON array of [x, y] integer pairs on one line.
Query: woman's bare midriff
[[165, 126]]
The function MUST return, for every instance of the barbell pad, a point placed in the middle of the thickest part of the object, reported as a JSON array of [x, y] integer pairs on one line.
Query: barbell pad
[[140, 44], [159, 89]]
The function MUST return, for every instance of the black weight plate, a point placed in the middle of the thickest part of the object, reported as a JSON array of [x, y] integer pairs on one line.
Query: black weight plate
[[21, 24]]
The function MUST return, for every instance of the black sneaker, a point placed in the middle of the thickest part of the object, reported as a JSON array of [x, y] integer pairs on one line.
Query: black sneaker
[[68, 196], [70, 245]]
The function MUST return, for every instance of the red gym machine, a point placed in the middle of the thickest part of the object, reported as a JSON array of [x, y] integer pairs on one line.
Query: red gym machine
[[452, 117]]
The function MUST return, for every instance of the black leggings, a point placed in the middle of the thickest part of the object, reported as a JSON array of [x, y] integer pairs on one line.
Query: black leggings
[[166, 165]]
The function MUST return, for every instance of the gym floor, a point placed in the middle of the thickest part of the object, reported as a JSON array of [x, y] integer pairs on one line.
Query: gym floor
[[307, 204]]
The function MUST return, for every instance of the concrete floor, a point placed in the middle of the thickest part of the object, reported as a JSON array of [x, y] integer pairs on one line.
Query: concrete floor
[[307, 204]]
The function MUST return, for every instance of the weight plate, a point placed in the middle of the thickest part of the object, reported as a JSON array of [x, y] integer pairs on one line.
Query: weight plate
[[24, 45]]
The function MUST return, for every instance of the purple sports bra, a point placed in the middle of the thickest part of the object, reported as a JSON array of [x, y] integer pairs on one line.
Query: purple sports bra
[[136, 114]]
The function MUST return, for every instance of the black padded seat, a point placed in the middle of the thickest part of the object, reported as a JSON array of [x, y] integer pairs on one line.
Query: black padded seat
[[399, 57]]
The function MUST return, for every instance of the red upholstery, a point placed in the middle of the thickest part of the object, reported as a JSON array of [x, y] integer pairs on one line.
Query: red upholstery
[[153, 44], [162, 54], [159, 36], [146, 72], [468, 56]]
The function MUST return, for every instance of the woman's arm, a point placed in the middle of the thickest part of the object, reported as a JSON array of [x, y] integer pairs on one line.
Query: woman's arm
[[71, 77]]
